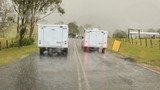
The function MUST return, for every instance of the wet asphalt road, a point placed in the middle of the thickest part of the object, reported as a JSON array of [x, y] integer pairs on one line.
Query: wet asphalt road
[[77, 71]]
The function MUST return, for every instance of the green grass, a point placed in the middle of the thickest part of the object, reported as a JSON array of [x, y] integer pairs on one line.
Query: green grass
[[3, 42], [155, 42], [140, 54], [8, 56], [13, 54]]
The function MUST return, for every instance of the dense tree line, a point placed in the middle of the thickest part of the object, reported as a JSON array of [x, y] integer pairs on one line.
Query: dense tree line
[[73, 29], [119, 34]]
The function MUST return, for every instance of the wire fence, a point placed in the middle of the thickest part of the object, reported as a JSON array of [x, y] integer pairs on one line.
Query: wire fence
[[6, 42], [146, 42]]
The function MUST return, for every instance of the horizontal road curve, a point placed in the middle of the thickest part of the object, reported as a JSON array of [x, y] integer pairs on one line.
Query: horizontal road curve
[[78, 71]]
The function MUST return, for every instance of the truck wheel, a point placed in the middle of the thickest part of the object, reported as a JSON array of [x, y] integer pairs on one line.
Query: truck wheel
[[50, 51], [103, 50], [41, 50], [65, 51]]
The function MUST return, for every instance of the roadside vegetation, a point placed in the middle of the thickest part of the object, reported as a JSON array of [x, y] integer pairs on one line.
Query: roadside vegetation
[[144, 51], [29, 12], [139, 54], [18, 19], [14, 54]]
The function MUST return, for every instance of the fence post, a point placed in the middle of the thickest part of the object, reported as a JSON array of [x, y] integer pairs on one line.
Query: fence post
[[140, 42], [136, 41], [0, 45], [159, 44], [151, 43], [132, 40], [146, 42], [6, 43]]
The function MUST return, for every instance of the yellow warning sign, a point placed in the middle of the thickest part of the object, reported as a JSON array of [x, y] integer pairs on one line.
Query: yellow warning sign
[[116, 45]]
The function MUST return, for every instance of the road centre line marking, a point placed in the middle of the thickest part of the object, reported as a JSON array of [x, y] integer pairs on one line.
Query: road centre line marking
[[84, 73], [79, 78]]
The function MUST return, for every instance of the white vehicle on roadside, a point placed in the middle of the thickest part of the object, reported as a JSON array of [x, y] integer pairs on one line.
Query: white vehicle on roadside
[[95, 39], [53, 38]]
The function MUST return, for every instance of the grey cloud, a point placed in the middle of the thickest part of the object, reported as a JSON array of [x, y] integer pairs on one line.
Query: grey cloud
[[111, 14]]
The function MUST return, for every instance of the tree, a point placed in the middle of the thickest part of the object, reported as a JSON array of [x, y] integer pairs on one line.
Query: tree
[[46, 7], [10, 19], [22, 7], [28, 13], [73, 28], [81, 30], [119, 34], [5, 10]]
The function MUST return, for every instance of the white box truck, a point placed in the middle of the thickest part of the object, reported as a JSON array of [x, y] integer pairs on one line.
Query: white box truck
[[53, 38], [95, 39]]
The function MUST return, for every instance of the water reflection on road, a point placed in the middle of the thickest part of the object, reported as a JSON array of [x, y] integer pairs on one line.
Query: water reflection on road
[[26, 75], [73, 72]]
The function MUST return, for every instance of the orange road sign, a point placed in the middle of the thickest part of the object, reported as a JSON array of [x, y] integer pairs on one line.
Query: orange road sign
[[116, 45]]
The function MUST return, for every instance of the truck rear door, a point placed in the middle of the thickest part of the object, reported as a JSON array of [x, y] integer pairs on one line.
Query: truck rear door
[[52, 36], [95, 39]]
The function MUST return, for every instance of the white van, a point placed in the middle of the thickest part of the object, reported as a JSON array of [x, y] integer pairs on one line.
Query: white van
[[95, 39], [53, 38]]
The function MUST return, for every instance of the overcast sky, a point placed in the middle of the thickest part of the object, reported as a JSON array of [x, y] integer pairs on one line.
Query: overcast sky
[[111, 14]]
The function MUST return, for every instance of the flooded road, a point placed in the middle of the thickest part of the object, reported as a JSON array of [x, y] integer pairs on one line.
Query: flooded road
[[77, 71]]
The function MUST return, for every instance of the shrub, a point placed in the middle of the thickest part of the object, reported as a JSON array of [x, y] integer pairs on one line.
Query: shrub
[[25, 42], [119, 34], [13, 44]]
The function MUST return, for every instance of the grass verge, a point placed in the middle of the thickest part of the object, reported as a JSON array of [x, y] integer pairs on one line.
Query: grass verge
[[8, 56], [139, 54]]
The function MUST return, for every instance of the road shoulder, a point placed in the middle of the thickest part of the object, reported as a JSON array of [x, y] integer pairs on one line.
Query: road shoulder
[[145, 66]]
